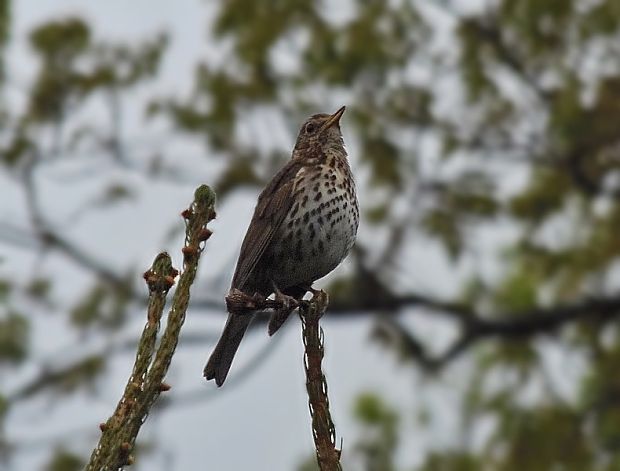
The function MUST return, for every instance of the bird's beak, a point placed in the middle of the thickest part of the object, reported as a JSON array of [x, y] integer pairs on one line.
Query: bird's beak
[[334, 119]]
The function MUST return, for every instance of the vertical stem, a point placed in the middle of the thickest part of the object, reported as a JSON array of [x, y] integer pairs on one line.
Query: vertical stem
[[323, 430], [145, 384]]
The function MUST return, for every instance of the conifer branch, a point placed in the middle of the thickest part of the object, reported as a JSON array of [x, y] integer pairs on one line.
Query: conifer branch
[[146, 383]]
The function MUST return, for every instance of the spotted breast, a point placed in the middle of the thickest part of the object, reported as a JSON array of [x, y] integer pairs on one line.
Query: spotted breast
[[321, 226]]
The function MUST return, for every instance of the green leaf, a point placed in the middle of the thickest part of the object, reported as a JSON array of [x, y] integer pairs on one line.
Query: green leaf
[[14, 337], [64, 460], [104, 305], [518, 291], [39, 288]]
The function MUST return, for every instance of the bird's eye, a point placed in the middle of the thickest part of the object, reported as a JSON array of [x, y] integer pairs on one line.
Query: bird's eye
[[310, 128]]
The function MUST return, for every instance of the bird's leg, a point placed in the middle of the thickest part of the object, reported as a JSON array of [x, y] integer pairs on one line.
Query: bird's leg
[[312, 290], [286, 301], [280, 314], [308, 288]]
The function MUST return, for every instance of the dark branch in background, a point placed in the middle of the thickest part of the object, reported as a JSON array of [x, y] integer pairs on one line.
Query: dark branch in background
[[323, 430], [55, 369], [145, 384], [514, 326], [49, 237]]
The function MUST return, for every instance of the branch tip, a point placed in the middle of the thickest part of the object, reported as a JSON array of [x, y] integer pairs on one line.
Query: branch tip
[[205, 197]]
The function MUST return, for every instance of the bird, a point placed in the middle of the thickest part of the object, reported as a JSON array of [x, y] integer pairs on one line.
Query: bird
[[304, 224]]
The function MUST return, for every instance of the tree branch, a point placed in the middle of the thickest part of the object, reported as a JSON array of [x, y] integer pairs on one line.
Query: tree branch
[[323, 430], [512, 326]]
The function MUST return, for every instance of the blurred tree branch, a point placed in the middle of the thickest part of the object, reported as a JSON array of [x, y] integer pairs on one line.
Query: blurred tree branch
[[510, 327]]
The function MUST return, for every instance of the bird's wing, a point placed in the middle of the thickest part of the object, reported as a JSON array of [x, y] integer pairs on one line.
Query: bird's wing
[[273, 204]]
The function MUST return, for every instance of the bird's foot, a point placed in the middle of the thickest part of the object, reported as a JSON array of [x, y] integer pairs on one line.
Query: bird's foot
[[285, 305], [308, 289], [286, 302], [318, 302]]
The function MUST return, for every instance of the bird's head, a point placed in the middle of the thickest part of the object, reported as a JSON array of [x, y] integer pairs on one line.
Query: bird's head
[[322, 129]]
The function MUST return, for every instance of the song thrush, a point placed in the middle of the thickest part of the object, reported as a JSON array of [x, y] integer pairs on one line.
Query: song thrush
[[304, 224]]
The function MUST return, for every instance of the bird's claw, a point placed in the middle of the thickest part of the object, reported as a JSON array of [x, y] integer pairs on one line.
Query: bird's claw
[[285, 306]]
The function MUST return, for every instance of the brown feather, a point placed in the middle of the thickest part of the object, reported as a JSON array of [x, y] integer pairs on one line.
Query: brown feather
[[273, 204]]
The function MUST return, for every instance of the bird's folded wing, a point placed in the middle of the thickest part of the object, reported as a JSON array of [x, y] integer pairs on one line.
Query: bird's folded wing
[[273, 205]]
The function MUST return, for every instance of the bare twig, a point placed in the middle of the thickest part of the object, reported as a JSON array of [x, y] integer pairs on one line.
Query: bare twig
[[323, 430], [145, 384]]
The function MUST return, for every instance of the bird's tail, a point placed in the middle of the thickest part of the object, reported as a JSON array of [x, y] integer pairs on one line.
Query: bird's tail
[[222, 357]]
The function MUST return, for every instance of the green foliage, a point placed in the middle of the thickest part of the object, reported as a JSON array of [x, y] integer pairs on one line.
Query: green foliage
[[5, 16], [69, 379], [599, 397], [309, 464], [5, 290], [602, 18], [104, 305], [256, 26], [453, 461], [59, 45], [240, 172], [61, 41], [542, 438], [122, 66], [473, 60], [377, 214], [379, 424], [39, 288], [443, 227], [382, 156], [114, 193], [4, 408], [541, 25], [518, 291], [5, 10], [64, 460], [544, 197], [18, 147], [73, 66], [14, 335]]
